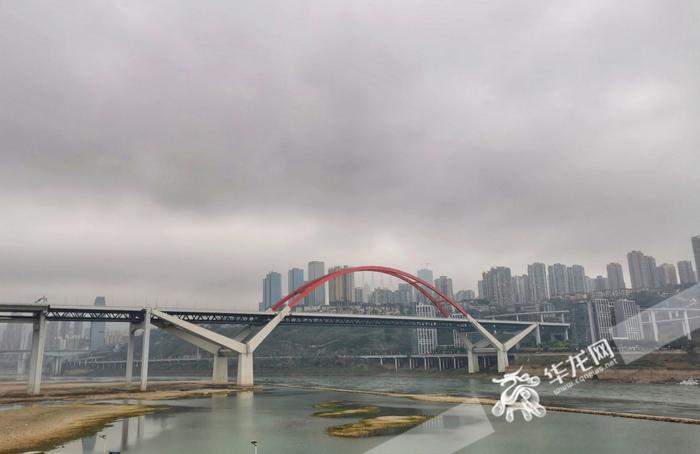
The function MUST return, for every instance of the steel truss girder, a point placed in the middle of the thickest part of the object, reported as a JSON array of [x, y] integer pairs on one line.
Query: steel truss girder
[[80, 315]]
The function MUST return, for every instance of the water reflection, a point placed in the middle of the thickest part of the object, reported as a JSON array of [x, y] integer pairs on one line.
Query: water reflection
[[283, 422], [125, 434], [89, 444], [120, 436]]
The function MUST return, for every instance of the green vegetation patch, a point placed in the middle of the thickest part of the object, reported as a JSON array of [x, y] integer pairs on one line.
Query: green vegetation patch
[[368, 410], [342, 409], [380, 425], [330, 404]]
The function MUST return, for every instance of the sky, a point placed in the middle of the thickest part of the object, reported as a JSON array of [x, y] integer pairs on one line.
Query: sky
[[172, 153]]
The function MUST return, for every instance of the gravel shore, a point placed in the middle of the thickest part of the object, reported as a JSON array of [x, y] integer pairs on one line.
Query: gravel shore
[[43, 426], [66, 411]]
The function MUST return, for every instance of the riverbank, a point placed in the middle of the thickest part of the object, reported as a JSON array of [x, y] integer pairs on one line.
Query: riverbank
[[11, 393], [618, 374], [65, 411], [45, 426], [628, 374]]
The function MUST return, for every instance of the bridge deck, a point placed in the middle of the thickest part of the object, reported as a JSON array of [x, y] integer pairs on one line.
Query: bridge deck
[[19, 312]]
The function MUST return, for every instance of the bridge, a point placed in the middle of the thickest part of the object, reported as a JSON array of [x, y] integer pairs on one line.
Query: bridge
[[494, 337]]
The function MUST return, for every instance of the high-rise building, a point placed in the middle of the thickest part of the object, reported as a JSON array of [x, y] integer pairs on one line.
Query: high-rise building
[[616, 280], [366, 290], [426, 275], [426, 338], [576, 275], [480, 289], [617, 319], [537, 276], [582, 326], [272, 290], [602, 319], [382, 296], [520, 289], [359, 296], [14, 335], [340, 289], [459, 337], [695, 241], [558, 280], [642, 270], [463, 295], [667, 275], [295, 279], [318, 296], [686, 272], [629, 324], [97, 329], [406, 294], [651, 271], [498, 287], [600, 283], [635, 262], [444, 284]]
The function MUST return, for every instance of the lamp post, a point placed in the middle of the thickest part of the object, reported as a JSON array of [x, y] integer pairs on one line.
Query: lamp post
[[255, 446]]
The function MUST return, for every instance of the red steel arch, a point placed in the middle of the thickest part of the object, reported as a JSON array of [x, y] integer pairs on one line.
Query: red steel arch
[[435, 296]]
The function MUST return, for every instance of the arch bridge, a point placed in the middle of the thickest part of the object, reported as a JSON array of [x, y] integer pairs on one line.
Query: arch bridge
[[483, 337]]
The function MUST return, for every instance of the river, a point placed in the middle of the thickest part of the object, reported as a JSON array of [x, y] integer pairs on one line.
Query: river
[[282, 420]]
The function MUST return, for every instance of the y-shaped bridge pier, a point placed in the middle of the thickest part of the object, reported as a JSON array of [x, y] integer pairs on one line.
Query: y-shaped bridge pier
[[243, 344]]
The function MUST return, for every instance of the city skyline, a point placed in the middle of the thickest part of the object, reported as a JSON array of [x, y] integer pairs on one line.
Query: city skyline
[[549, 280]]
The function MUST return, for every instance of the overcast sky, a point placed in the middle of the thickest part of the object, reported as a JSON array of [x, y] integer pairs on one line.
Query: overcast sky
[[177, 151]]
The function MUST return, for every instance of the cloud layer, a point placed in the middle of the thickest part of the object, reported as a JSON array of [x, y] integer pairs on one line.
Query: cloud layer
[[179, 151]]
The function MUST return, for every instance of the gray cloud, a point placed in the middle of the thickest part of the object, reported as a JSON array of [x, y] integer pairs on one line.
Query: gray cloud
[[180, 150]]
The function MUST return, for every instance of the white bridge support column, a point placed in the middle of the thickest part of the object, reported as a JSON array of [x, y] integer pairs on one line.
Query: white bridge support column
[[686, 326], [21, 366], [502, 359], [244, 374], [472, 359], [57, 366], [36, 363], [130, 354], [245, 358], [220, 369], [654, 326], [145, 348]]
